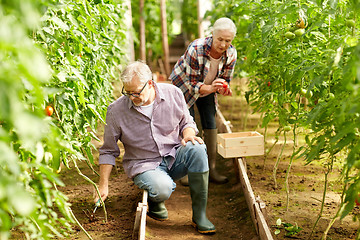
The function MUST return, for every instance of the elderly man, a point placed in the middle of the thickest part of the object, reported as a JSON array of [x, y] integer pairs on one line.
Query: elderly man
[[159, 137], [205, 69]]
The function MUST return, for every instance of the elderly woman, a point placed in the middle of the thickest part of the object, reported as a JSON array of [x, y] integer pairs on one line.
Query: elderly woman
[[205, 70]]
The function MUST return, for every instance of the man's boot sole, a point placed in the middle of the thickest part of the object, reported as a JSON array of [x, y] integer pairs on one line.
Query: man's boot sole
[[156, 218], [207, 232]]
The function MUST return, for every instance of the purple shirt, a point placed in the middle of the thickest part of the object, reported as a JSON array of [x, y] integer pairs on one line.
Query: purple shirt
[[146, 140]]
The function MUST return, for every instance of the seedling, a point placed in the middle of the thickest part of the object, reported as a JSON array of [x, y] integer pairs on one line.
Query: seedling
[[289, 228]]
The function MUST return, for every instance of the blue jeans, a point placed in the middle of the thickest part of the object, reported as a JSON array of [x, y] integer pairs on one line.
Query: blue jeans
[[160, 181], [207, 110]]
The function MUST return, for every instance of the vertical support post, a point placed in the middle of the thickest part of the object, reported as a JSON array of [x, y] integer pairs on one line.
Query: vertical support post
[[165, 43], [142, 32]]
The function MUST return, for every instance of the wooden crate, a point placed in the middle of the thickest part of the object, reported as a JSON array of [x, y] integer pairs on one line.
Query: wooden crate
[[240, 144]]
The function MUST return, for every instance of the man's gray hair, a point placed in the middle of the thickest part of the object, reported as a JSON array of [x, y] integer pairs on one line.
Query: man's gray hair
[[138, 69], [224, 23]]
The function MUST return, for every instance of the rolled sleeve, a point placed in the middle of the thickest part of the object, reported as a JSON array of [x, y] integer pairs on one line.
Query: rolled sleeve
[[109, 151]]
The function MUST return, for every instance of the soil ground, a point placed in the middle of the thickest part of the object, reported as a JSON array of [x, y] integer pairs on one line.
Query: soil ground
[[227, 207]]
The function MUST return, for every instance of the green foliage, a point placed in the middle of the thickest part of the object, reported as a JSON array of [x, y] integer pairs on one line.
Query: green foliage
[[152, 18], [189, 19], [59, 53], [323, 60]]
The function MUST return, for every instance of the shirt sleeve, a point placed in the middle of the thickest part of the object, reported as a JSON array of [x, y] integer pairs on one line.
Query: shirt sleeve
[[109, 151], [192, 67]]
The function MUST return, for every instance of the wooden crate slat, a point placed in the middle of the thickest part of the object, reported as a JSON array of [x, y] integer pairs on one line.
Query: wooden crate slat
[[240, 144], [245, 151], [236, 139]]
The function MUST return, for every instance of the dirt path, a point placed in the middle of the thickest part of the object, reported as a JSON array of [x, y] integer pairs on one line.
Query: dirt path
[[227, 209]]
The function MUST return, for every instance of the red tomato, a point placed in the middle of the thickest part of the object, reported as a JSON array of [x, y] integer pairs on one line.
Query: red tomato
[[225, 85], [49, 110], [357, 201], [245, 58], [269, 83]]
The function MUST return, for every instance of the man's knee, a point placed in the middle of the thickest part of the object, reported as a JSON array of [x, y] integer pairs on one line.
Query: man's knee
[[161, 190], [196, 148], [197, 157]]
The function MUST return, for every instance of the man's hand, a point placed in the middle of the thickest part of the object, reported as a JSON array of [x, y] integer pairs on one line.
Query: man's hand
[[105, 170], [104, 192], [192, 139], [189, 135]]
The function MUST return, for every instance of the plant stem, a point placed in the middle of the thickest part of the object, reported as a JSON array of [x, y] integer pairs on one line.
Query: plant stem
[[278, 160], [287, 188], [326, 181], [268, 152], [94, 184], [78, 223], [89, 164]]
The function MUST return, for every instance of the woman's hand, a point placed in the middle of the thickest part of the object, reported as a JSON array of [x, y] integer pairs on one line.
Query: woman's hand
[[224, 89]]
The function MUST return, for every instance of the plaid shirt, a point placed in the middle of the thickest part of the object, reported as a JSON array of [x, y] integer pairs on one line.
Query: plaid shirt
[[190, 70]]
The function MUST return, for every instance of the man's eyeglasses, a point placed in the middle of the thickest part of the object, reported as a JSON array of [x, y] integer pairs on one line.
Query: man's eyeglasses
[[134, 94]]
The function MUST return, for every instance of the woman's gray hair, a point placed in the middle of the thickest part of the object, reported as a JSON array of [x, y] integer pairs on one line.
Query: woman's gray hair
[[224, 24], [138, 69]]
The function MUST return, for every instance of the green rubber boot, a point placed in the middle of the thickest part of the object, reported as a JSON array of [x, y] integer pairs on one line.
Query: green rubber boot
[[210, 136], [198, 183], [157, 211]]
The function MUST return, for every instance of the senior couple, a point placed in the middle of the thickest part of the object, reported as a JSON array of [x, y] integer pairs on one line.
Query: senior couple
[[155, 123]]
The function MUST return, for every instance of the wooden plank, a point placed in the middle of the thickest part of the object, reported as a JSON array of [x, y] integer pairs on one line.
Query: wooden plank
[[227, 124], [140, 218], [255, 204], [144, 205], [249, 195], [241, 151], [137, 221], [142, 230], [236, 139], [264, 231]]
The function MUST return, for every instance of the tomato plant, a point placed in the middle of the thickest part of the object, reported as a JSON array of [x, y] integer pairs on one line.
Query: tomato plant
[[41, 64], [324, 60]]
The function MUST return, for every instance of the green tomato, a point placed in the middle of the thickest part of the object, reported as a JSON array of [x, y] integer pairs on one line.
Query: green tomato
[[350, 23], [299, 32], [303, 92], [309, 94], [331, 96], [291, 27], [287, 128], [290, 35]]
